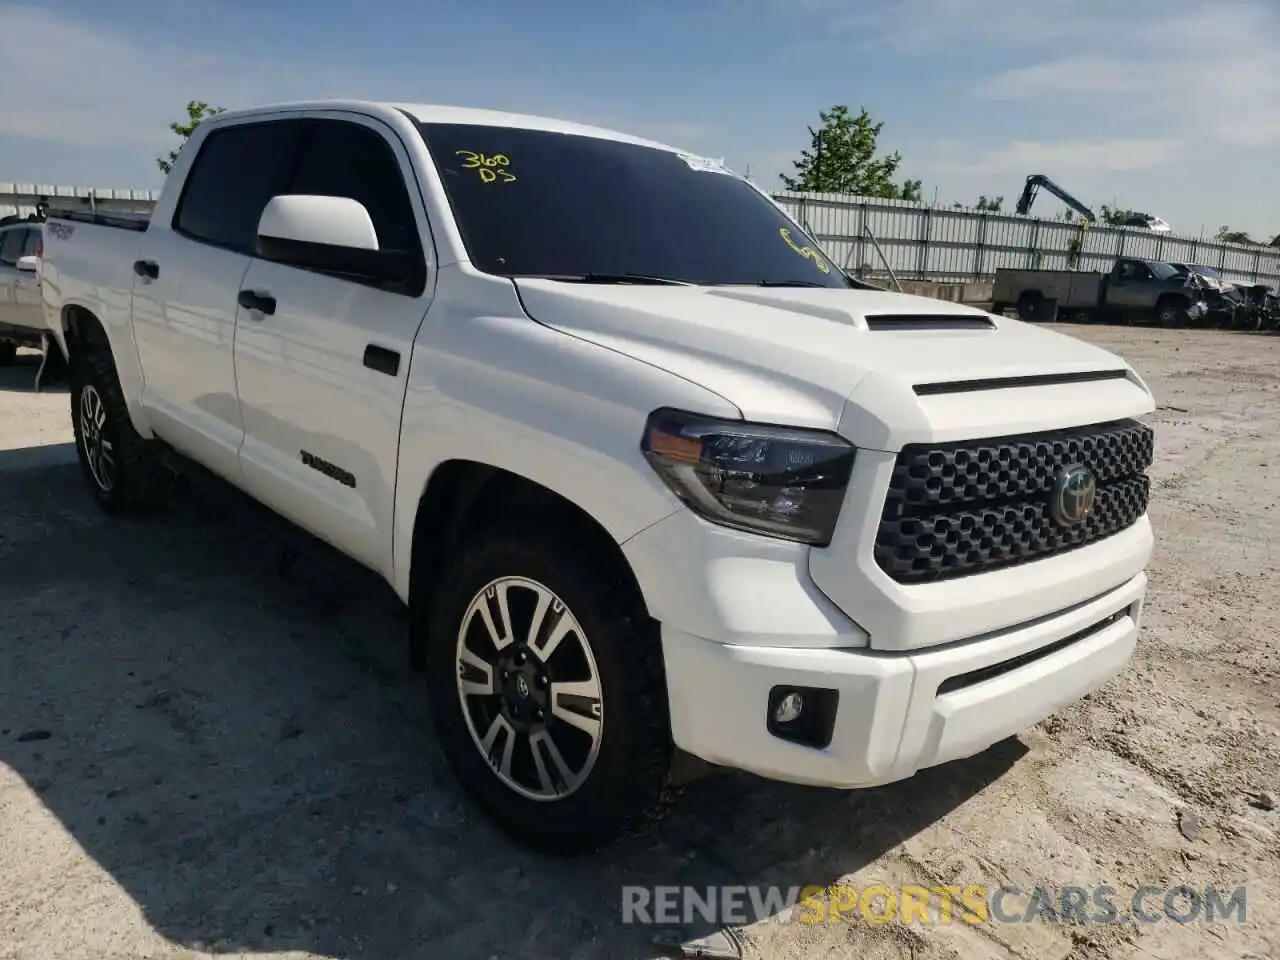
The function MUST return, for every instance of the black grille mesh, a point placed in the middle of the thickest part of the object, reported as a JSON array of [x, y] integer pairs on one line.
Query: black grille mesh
[[963, 508]]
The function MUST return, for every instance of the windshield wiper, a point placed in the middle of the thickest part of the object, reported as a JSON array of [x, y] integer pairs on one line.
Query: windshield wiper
[[604, 278], [766, 283]]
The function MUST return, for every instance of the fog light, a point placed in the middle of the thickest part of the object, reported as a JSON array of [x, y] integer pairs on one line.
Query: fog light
[[789, 708], [802, 715]]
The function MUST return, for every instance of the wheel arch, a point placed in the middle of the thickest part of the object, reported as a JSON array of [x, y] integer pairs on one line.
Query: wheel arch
[[80, 328], [463, 496]]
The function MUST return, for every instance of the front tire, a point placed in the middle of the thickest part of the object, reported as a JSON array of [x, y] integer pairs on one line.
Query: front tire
[[547, 690], [1172, 314], [121, 466]]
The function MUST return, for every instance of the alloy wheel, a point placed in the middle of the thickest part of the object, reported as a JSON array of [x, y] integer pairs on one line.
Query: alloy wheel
[[98, 452], [529, 688]]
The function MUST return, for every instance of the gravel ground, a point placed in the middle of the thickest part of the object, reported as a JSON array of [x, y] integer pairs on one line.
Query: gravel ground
[[204, 751]]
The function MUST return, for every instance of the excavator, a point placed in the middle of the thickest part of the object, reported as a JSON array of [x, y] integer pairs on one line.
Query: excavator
[[1038, 180]]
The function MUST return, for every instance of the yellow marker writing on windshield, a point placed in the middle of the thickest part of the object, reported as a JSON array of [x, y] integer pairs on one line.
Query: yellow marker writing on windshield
[[806, 251], [490, 168]]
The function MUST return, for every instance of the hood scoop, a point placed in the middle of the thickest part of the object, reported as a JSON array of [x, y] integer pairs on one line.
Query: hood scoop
[[897, 322]]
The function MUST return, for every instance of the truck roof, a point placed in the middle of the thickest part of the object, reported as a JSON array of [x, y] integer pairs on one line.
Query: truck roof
[[445, 113]]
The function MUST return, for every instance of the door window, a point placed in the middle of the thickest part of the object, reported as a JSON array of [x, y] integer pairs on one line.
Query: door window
[[342, 159], [237, 171], [11, 245], [32, 241]]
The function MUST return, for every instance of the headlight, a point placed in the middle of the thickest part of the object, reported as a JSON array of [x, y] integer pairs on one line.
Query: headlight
[[779, 481]]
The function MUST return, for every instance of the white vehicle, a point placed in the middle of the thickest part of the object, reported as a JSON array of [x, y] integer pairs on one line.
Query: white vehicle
[[652, 474], [1148, 222], [21, 316]]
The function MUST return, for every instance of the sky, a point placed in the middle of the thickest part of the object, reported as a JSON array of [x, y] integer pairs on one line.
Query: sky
[[1167, 106]]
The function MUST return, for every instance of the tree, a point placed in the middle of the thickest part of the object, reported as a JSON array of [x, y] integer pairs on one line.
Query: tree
[[842, 159], [1116, 217], [197, 111], [1226, 235], [989, 204]]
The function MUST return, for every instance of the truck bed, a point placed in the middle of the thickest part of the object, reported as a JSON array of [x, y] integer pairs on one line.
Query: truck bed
[[119, 220], [1073, 289]]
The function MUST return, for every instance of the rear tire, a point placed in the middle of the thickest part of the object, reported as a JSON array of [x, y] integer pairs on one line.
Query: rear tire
[[122, 467], [1028, 307], [501, 690]]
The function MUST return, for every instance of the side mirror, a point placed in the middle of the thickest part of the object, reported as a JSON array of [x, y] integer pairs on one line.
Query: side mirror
[[28, 264], [334, 234]]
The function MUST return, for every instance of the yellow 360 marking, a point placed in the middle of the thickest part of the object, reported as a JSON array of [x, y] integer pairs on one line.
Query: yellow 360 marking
[[806, 251], [490, 167]]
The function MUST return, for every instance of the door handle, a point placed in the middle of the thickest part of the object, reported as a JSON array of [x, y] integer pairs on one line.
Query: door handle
[[146, 268], [381, 359], [256, 300]]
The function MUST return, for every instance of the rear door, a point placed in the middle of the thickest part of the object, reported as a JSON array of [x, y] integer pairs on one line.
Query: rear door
[[28, 312], [189, 271], [11, 243], [322, 379]]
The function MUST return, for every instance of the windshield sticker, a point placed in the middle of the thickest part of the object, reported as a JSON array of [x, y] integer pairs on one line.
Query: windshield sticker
[[491, 168], [704, 164], [806, 251]]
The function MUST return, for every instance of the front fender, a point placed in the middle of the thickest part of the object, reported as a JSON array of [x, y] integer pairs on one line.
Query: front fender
[[544, 405]]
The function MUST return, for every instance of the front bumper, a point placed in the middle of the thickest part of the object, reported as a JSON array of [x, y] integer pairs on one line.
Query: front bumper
[[891, 718]]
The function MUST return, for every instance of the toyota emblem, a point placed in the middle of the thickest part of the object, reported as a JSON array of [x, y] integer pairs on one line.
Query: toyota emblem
[[1075, 490]]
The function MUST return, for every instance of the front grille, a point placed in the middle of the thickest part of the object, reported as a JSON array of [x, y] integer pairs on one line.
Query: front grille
[[963, 508]]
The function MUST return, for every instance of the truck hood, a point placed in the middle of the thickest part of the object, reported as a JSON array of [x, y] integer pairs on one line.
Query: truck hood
[[798, 355]]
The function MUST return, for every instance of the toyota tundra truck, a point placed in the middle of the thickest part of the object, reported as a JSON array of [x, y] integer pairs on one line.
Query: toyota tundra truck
[[653, 476]]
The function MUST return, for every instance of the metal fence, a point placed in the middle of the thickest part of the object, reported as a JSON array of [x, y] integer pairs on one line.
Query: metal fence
[[937, 243], [21, 198]]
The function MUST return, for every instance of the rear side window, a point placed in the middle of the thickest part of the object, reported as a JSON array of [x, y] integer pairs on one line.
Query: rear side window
[[11, 245], [238, 170], [341, 159]]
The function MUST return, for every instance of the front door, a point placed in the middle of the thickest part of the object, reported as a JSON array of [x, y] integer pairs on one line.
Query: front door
[[322, 379], [1130, 288]]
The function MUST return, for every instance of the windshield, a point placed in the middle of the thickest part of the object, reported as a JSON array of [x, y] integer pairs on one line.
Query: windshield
[[536, 203], [1163, 271]]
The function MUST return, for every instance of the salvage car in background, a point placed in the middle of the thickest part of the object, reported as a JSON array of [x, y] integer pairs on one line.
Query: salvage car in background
[[21, 317], [1132, 290]]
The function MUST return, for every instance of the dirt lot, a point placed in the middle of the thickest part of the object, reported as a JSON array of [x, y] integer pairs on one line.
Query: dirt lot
[[202, 752]]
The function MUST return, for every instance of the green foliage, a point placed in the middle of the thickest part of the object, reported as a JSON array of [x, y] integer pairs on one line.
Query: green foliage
[[197, 111], [1115, 217], [1226, 235], [842, 159]]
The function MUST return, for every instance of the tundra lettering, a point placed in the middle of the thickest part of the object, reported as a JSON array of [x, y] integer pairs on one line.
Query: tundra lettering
[[646, 496], [344, 477]]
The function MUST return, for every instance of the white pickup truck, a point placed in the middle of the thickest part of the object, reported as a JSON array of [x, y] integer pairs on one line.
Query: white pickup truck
[[654, 477]]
